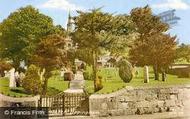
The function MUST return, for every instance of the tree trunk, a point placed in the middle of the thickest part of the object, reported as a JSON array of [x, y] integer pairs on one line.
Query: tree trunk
[[94, 66], [163, 76], [156, 73], [44, 87]]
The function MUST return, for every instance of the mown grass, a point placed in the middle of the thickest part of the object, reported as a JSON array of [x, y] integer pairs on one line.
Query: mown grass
[[110, 80]]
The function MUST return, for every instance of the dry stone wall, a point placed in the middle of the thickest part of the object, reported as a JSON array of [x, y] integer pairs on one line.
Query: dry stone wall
[[131, 101]]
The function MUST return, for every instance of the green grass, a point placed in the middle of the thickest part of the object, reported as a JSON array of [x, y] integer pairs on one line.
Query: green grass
[[16, 92], [110, 80], [58, 83]]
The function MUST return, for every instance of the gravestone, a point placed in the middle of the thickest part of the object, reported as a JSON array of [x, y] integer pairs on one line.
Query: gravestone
[[146, 74], [12, 80]]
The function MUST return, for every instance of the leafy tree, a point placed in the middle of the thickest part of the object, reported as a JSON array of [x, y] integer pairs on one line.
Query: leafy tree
[[183, 52], [94, 31], [49, 55], [21, 31], [153, 46]]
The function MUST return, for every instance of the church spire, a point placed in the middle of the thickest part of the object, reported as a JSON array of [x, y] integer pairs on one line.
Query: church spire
[[69, 23]]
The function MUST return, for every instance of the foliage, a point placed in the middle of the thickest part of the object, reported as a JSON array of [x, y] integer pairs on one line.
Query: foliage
[[32, 83], [49, 55], [183, 52], [153, 46], [95, 31], [98, 84], [22, 30], [4, 66], [125, 70]]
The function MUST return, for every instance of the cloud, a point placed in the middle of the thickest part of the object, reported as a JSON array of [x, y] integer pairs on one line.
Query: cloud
[[173, 4], [61, 4]]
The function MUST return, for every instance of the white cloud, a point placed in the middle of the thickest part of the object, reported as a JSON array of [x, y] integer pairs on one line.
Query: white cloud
[[173, 4], [61, 4]]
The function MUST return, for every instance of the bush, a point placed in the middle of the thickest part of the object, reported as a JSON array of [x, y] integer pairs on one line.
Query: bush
[[31, 82], [4, 66], [125, 70], [98, 84], [87, 75]]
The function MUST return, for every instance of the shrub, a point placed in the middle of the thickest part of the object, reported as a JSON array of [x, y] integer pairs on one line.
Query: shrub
[[98, 84], [125, 70], [4, 66], [87, 75], [31, 82]]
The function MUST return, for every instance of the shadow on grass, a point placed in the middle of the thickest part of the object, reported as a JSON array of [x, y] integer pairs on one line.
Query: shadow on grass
[[20, 91], [52, 91]]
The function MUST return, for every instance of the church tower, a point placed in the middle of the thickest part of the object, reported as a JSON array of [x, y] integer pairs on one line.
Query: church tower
[[69, 24], [68, 40]]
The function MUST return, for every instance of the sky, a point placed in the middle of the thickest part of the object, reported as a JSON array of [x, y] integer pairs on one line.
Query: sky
[[58, 10]]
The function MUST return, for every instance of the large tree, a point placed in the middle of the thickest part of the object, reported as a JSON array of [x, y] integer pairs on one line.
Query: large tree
[[95, 30], [153, 46], [21, 31], [49, 55]]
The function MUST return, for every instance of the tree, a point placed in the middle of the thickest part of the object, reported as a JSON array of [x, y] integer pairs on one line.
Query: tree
[[94, 31], [49, 55], [183, 52], [21, 31], [153, 46]]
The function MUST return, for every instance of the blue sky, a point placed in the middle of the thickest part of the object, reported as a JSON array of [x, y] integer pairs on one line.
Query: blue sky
[[58, 10]]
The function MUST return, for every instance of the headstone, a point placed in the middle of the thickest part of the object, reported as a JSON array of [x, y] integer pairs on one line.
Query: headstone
[[12, 81], [146, 74]]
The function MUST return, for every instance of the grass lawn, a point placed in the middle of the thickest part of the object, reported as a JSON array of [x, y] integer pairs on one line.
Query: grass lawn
[[16, 92], [111, 82]]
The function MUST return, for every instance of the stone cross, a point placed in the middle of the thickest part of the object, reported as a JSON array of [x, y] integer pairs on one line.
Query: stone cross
[[146, 74], [12, 80]]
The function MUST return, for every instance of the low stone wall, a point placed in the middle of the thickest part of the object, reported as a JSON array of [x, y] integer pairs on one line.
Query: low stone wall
[[131, 101], [6, 101]]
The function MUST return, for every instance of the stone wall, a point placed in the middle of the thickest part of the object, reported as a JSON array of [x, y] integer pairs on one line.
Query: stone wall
[[131, 101], [6, 101]]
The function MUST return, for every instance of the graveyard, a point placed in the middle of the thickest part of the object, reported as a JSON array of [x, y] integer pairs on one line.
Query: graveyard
[[111, 83], [100, 64]]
